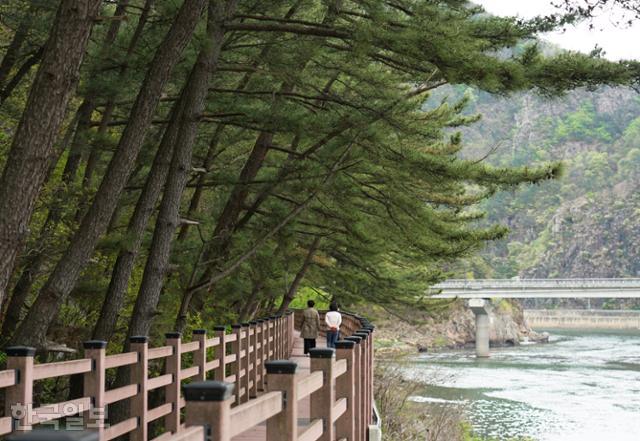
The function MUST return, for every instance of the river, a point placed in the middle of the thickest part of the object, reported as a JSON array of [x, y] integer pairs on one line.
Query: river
[[581, 386]]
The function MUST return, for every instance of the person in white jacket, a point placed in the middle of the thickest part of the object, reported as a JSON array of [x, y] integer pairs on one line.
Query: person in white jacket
[[333, 319]]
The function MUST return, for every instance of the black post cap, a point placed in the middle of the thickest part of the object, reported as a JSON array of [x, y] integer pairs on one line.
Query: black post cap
[[245, 324], [321, 353], [219, 328], [365, 330], [199, 331], [138, 339], [172, 335], [207, 391], [281, 367], [236, 326], [20, 351], [354, 338], [370, 327], [94, 344], [364, 335], [253, 322], [345, 344], [55, 435]]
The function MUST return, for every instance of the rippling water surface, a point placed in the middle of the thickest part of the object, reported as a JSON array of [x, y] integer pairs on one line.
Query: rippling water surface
[[582, 386]]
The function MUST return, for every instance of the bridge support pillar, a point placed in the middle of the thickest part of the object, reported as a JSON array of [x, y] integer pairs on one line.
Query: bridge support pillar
[[480, 308]]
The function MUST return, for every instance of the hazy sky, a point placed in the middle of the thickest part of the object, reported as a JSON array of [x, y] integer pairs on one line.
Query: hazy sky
[[618, 42]]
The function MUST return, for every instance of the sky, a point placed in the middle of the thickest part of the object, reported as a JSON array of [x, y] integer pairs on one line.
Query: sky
[[617, 42]]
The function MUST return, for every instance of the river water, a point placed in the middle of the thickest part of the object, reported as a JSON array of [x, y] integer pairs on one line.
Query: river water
[[582, 386]]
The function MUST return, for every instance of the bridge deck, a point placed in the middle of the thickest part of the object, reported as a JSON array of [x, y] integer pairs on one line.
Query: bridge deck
[[259, 432], [537, 288]]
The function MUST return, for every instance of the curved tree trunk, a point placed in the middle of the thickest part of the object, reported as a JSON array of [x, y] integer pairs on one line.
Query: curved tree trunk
[[194, 97], [114, 298], [94, 154], [32, 145], [22, 72], [13, 51], [65, 275]]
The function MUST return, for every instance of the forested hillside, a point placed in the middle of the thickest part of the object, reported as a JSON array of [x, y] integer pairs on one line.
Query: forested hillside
[[184, 163], [585, 224]]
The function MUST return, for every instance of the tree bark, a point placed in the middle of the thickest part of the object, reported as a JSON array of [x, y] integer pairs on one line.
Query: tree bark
[[88, 105], [114, 298], [94, 154], [13, 51], [293, 289], [194, 97], [65, 275], [32, 145], [33, 59]]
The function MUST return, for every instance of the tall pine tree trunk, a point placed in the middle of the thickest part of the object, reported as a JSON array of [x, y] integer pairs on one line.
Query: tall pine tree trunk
[[65, 275], [32, 145], [12, 54], [168, 218], [119, 282], [94, 154]]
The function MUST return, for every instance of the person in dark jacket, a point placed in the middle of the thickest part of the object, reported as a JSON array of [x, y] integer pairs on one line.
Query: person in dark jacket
[[310, 326]]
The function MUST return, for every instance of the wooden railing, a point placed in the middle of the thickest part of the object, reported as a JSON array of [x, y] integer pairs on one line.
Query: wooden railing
[[253, 383]]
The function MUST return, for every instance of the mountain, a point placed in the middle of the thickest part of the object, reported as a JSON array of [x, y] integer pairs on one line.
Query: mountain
[[586, 224]]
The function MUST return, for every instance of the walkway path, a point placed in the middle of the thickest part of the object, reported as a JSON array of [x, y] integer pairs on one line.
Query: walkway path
[[259, 432]]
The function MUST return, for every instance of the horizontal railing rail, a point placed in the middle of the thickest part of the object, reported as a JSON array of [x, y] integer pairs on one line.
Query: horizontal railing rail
[[538, 283]]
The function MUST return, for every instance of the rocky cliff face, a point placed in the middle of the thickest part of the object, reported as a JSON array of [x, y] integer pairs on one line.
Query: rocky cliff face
[[456, 330], [587, 224]]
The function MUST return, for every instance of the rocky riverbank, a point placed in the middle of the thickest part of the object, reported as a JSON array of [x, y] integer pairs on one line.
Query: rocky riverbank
[[454, 329]]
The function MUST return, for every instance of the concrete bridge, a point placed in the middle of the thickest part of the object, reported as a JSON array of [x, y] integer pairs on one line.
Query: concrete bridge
[[246, 382], [479, 291]]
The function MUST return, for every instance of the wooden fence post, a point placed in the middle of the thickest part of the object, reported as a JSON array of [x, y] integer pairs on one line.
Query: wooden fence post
[[261, 354], [253, 359], [271, 343], [358, 404], [274, 335], [323, 400], [173, 367], [369, 327], [282, 377], [345, 388], [364, 375], [236, 347], [209, 405], [292, 319], [139, 375], [95, 384], [243, 383], [279, 354], [221, 352], [19, 397], [200, 356], [289, 333]]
